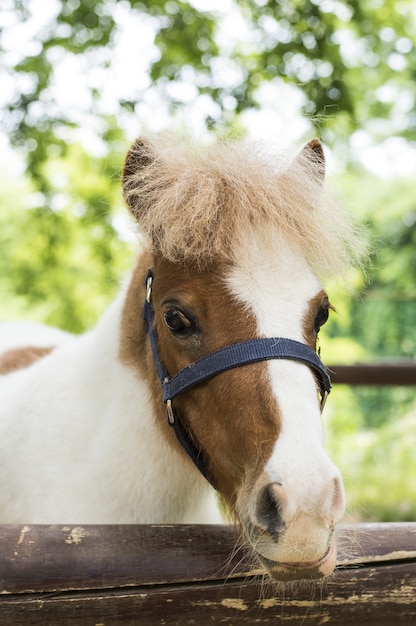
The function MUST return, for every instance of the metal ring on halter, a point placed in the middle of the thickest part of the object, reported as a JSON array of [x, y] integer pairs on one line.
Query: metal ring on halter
[[324, 396], [149, 282], [170, 413]]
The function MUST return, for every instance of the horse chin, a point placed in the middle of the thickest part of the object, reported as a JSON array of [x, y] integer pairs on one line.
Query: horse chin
[[310, 570]]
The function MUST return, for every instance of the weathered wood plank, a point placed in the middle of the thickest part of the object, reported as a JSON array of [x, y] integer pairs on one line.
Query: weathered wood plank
[[65, 558], [184, 575], [382, 596]]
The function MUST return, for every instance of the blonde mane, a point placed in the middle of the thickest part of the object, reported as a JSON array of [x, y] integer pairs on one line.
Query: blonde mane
[[198, 203]]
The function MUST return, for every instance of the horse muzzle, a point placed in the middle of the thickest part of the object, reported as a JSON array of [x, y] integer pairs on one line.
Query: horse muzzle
[[290, 542], [302, 570]]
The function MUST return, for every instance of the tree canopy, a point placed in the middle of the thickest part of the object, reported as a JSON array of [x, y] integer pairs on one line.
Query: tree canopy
[[353, 62]]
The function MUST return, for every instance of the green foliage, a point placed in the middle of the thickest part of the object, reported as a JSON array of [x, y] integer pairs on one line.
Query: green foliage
[[377, 464], [33, 119], [371, 431], [330, 50], [381, 315], [62, 258], [185, 40]]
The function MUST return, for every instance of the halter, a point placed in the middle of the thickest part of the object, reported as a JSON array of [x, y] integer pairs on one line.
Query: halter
[[229, 357]]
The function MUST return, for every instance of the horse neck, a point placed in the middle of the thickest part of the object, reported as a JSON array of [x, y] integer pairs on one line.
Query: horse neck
[[94, 416]]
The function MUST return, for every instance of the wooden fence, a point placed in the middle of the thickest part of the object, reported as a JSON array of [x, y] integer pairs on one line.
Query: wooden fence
[[399, 372], [200, 575], [187, 575]]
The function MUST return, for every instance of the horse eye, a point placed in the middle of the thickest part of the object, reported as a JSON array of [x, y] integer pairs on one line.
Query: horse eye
[[321, 318], [178, 323]]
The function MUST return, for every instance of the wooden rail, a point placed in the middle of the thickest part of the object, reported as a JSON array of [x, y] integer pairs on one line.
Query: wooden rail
[[118, 575], [382, 373]]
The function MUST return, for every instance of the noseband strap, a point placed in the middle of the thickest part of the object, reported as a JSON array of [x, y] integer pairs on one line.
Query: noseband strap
[[243, 353], [226, 358]]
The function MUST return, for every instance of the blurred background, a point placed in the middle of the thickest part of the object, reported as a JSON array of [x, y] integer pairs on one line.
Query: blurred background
[[80, 79]]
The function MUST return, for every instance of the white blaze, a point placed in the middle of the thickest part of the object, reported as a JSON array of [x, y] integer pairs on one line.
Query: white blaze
[[276, 284]]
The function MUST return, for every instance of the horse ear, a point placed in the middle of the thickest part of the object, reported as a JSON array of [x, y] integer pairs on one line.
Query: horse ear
[[141, 155], [312, 157]]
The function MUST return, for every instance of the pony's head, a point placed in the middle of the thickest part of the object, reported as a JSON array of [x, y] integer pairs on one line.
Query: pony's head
[[237, 241]]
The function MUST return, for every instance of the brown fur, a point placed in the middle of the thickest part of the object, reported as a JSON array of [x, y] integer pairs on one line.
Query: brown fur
[[20, 358], [239, 422], [319, 301], [197, 204]]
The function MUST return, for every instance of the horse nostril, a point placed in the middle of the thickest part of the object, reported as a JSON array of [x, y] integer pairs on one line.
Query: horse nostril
[[269, 509], [338, 500]]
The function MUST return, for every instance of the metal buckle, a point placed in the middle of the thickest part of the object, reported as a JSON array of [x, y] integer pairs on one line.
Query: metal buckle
[[149, 282], [171, 414], [324, 396]]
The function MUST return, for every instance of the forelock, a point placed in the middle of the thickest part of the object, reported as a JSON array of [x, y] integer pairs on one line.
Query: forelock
[[198, 203]]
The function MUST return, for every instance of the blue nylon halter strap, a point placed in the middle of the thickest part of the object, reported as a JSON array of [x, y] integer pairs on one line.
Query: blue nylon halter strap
[[228, 357], [243, 353]]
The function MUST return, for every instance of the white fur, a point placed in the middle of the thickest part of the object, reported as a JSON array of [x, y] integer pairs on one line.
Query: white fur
[[18, 334], [79, 443], [276, 284]]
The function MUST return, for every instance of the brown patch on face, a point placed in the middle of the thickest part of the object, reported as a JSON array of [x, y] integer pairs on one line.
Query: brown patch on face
[[316, 316], [134, 350], [20, 358], [233, 416]]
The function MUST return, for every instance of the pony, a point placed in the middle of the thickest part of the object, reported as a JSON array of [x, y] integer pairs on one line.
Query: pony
[[236, 239]]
